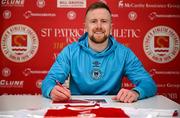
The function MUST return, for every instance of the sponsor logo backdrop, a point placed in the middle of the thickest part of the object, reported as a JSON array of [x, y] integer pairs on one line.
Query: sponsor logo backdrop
[[33, 32]]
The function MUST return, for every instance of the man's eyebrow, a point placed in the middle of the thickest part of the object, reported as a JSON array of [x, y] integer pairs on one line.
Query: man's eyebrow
[[97, 19], [93, 19], [104, 19]]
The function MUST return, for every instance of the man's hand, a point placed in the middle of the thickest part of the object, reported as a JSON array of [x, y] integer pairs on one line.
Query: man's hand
[[59, 93], [127, 96]]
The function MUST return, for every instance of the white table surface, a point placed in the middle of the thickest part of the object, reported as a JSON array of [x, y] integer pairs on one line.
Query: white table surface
[[38, 105]]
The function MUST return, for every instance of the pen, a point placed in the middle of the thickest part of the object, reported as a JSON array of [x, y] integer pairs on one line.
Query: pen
[[59, 84]]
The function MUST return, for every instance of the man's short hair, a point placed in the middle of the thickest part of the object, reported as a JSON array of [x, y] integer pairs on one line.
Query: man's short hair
[[97, 5]]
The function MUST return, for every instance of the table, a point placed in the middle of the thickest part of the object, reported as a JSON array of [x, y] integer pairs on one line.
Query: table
[[36, 105]]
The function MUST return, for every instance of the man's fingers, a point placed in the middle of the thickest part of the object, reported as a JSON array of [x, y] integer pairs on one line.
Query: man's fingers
[[60, 94], [119, 95], [55, 97], [67, 90], [127, 96], [131, 99], [114, 98], [123, 96], [64, 91], [59, 97]]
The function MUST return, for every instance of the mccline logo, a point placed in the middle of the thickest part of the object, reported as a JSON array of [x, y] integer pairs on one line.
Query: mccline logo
[[161, 44], [19, 43], [10, 3], [11, 84]]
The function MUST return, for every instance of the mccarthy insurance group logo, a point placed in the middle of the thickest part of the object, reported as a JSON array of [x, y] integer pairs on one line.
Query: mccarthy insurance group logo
[[161, 44], [19, 43]]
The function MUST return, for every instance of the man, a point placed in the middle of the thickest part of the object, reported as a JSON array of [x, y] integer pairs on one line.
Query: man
[[97, 63]]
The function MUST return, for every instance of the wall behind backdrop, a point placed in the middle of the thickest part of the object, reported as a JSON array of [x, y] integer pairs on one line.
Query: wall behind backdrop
[[33, 32]]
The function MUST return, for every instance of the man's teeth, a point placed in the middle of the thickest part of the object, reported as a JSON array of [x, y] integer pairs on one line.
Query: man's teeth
[[98, 32]]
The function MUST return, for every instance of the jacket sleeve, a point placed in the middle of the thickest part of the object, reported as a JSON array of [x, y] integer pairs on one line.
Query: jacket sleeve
[[136, 73], [59, 71]]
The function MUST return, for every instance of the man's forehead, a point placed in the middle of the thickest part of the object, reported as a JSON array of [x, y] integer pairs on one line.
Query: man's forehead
[[99, 12]]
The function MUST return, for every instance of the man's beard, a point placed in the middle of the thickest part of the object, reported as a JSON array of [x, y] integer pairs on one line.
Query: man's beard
[[99, 40]]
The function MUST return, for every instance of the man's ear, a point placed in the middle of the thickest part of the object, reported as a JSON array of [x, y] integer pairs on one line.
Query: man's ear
[[85, 26], [111, 28]]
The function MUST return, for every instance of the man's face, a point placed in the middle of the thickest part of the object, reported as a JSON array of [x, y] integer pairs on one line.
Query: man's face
[[98, 25]]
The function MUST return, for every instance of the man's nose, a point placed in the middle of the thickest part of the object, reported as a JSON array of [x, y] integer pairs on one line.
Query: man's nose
[[99, 24]]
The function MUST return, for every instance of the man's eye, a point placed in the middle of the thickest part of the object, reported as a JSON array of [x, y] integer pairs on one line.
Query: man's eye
[[104, 21], [93, 21]]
